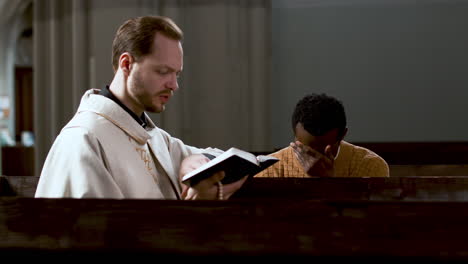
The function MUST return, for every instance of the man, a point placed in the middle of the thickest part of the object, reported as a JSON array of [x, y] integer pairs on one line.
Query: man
[[111, 148], [319, 126]]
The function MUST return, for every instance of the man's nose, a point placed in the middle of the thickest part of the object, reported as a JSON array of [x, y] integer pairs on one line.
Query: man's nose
[[173, 83]]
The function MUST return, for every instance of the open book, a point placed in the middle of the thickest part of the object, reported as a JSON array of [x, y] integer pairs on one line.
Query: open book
[[234, 162]]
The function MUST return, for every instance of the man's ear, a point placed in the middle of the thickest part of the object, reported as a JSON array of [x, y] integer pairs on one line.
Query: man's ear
[[125, 63]]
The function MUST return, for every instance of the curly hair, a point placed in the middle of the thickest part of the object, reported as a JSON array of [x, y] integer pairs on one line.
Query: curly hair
[[319, 113]]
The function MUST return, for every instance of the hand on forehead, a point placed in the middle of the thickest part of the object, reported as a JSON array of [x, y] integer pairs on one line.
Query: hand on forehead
[[318, 143]]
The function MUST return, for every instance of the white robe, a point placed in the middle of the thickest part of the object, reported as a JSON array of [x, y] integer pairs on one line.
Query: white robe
[[104, 153]]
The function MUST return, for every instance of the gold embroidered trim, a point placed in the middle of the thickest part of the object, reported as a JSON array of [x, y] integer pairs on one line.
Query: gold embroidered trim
[[146, 158], [137, 139]]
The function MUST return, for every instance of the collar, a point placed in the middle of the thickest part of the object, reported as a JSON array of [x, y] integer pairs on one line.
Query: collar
[[92, 101], [107, 93]]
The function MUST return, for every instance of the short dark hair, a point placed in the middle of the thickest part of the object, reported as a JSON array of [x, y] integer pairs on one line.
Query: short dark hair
[[136, 36], [319, 113]]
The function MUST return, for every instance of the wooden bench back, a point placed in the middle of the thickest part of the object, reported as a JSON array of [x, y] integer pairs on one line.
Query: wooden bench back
[[445, 188], [351, 230]]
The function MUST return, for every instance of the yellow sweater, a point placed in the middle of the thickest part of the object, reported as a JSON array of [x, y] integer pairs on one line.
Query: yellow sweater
[[352, 161]]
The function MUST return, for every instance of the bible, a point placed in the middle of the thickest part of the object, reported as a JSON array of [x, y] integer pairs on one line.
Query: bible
[[234, 162]]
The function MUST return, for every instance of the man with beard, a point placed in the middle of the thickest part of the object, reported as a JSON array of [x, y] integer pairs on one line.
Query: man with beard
[[111, 148]]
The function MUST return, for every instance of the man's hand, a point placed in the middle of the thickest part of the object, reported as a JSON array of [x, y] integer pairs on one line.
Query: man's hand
[[192, 162], [208, 189], [314, 162]]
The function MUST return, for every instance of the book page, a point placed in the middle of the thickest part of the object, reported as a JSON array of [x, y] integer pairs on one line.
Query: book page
[[243, 154]]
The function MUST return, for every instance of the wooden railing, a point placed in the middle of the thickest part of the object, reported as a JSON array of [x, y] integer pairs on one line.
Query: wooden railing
[[17, 160], [399, 219], [428, 170], [377, 231], [420, 153], [24, 186], [422, 188]]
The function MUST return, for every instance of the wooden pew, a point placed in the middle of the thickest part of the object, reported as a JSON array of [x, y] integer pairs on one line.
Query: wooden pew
[[394, 188], [24, 186], [363, 231], [422, 158], [428, 170], [420, 153], [17, 160]]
